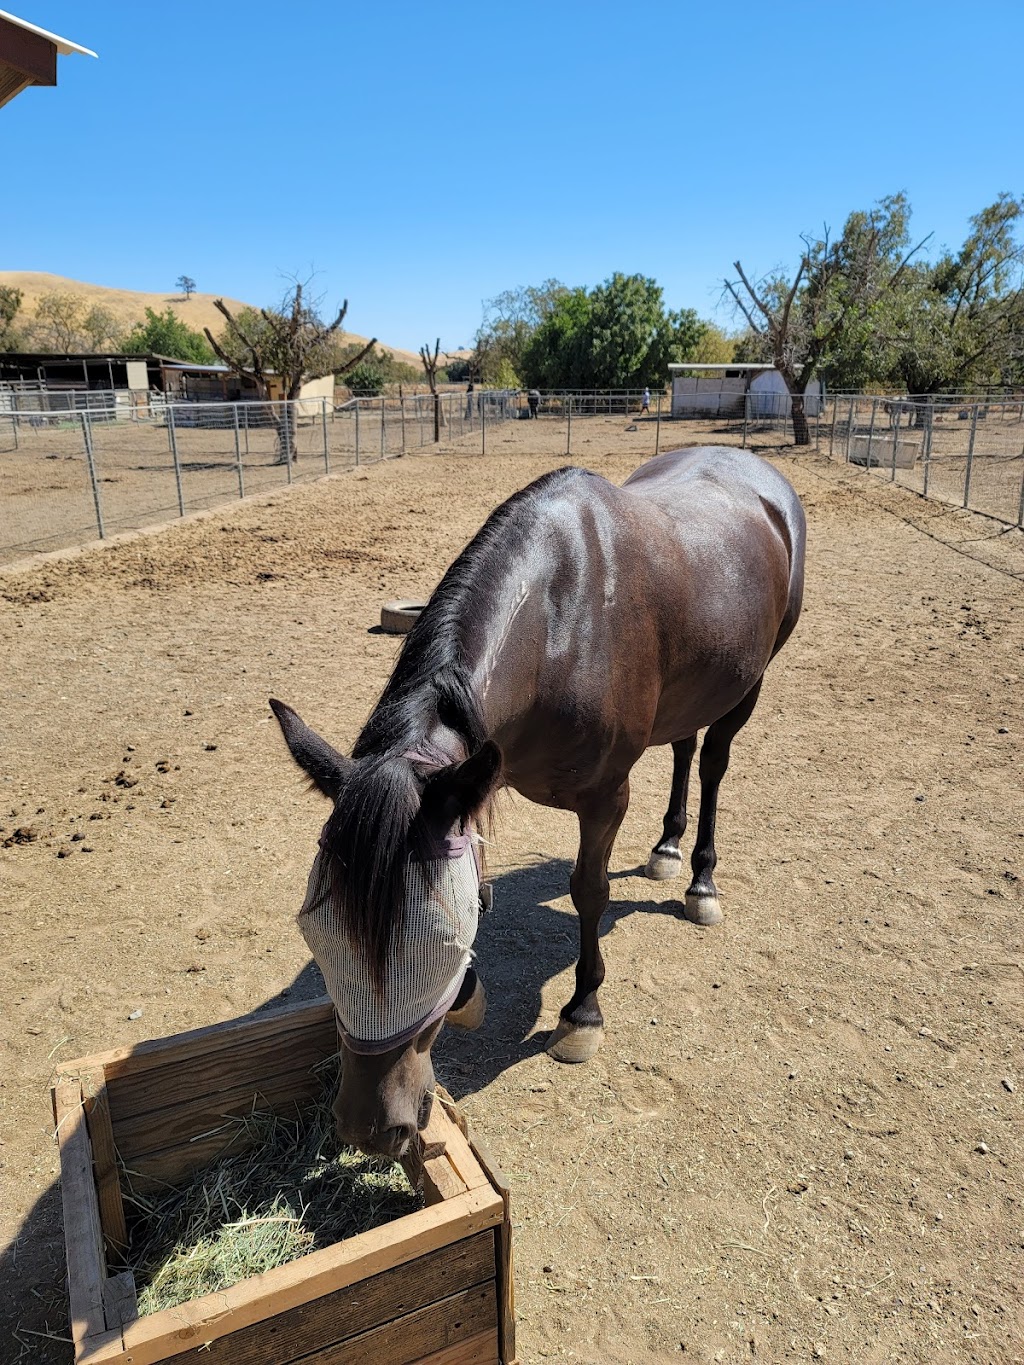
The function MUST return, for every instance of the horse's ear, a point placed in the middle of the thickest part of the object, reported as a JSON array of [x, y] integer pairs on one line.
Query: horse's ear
[[325, 766], [465, 788]]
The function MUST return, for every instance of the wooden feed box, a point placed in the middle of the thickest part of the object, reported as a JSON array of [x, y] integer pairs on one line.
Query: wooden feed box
[[433, 1286]]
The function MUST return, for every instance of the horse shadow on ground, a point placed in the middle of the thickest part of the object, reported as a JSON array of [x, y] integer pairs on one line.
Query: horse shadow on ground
[[523, 943]]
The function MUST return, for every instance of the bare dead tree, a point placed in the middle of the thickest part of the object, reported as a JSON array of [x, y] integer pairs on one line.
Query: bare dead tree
[[292, 344], [430, 366]]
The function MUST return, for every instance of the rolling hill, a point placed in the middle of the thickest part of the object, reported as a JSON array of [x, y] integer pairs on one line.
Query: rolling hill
[[129, 305]]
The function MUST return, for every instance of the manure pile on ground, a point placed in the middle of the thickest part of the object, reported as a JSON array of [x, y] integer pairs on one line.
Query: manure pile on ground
[[292, 1190]]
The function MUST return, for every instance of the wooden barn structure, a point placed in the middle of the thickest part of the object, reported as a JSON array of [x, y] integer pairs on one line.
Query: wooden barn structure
[[28, 55], [80, 380]]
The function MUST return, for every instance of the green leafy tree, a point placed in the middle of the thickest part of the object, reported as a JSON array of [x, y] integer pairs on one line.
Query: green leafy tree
[[510, 320], [617, 336], [103, 330], [960, 322], [715, 347], [632, 338], [186, 284], [558, 354], [459, 371], [60, 315], [10, 305], [367, 379], [166, 334], [824, 316]]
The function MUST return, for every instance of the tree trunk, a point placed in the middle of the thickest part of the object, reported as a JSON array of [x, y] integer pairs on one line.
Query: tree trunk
[[801, 430], [438, 418]]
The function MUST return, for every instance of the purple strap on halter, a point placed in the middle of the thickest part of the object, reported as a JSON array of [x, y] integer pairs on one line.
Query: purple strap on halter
[[368, 1049]]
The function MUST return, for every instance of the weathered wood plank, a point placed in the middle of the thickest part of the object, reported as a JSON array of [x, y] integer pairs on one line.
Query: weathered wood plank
[[104, 1160], [83, 1236], [159, 1052], [145, 1171], [451, 1321], [152, 1339], [441, 1180], [480, 1350], [161, 1128], [120, 1304], [503, 1255], [244, 1061], [357, 1309], [460, 1154]]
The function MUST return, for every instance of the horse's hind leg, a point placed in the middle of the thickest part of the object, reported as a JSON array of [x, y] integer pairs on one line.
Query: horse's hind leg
[[702, 905], [580, 1030], [666, 860]]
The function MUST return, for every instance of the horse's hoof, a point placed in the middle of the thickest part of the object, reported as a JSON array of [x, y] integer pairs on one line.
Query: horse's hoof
[[662, 866], [702, 909], [575, 1043], [471, 1014]]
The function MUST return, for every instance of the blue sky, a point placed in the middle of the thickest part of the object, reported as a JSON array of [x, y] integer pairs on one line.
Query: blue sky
[[421, 158]]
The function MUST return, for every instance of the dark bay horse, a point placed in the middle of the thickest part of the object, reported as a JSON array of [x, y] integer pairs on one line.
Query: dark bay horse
[[583, 623]]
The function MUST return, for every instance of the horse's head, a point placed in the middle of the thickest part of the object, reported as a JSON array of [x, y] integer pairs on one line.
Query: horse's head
[[390, 916]]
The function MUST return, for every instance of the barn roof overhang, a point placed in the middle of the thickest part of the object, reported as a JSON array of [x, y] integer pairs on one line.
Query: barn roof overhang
[[733, 365], [59, 357], [28, 55]]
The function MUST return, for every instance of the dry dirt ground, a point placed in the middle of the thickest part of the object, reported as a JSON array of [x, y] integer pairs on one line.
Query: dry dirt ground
[[802, 1139]]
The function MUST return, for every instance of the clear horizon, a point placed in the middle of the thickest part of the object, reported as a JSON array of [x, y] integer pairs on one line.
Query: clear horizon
[[421, 167]]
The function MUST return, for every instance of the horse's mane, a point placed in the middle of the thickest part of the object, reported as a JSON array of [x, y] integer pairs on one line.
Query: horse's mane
[[375, 823]]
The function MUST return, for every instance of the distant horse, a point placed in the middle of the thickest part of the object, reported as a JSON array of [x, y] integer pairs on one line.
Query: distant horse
[[900, 412], [583, 623]]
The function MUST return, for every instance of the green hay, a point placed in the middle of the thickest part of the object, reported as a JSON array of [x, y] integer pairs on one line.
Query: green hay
[[293, 1189]]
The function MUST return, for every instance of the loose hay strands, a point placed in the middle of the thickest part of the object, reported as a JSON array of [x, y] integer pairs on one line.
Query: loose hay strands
[[292, 1189]]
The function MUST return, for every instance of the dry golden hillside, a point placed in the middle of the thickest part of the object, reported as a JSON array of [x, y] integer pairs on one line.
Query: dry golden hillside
[[129, 305]]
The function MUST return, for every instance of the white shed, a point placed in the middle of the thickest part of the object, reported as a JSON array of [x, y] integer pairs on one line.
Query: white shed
[[769, 396], [722, 390]]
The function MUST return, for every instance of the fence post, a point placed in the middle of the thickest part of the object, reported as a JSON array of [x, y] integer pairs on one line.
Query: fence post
[[817, 419], [871, 430], [568, 429], [383, 438], [832, 433], [327, 448], [970, 454], [238, 454], [895, 442], [246, 411], [929, 412], [746, 414], [1020, 504], [172, 437], [657, 429], [419, 414], [357, 431], [401, 409], [483, 425], [87, 439], [287, 440], [849, 429]]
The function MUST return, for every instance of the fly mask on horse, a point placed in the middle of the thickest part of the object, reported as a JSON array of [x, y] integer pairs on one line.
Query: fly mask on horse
[[394, 966]]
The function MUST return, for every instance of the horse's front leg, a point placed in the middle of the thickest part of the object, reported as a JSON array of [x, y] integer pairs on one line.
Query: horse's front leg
[[580, 1030]]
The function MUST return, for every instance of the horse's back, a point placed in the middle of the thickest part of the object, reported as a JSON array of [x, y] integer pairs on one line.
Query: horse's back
[[722, 477]]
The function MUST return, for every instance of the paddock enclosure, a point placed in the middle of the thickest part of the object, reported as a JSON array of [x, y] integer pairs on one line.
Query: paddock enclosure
[[802, 1139]]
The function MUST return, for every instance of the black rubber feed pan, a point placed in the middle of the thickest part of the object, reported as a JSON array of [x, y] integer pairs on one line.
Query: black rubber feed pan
[[399, 617]]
